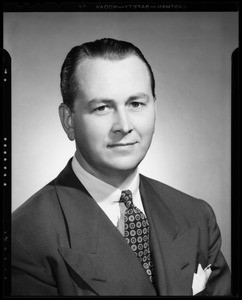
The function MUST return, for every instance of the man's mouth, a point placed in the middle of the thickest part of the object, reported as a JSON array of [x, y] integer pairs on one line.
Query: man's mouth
[[121, 145]]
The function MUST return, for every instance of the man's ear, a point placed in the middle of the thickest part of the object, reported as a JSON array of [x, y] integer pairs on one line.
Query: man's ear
[[66, 121], [155, 114]]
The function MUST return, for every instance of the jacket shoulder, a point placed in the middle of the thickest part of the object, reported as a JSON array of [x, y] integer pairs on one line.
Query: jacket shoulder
[[167, 189], [40, 198], [178, 202], [40, 213]]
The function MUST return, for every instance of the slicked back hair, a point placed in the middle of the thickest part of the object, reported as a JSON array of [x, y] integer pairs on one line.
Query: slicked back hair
[[106, 48]]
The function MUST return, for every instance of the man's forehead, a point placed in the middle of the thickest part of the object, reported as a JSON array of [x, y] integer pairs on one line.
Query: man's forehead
[[88, 63], [113, 79], [107, 72]]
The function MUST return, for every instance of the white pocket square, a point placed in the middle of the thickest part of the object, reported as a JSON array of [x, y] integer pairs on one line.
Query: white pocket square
[[200, 279]]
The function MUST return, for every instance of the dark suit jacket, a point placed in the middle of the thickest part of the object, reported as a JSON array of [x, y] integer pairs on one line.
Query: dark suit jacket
[[64, 244]]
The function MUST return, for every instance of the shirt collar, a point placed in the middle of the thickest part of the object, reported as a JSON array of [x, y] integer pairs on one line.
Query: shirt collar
[[102, 192]]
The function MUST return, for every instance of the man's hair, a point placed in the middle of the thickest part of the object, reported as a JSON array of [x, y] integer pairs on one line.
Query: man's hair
[[106, 48]]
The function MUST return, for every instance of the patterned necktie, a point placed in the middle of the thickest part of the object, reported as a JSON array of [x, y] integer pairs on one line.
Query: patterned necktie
[[136, 233]]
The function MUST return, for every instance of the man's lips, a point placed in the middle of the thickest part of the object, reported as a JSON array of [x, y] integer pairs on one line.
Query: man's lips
[[121, 145]]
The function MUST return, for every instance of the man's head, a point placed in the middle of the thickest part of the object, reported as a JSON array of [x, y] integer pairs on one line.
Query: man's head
[[104, 48], [108, 108]]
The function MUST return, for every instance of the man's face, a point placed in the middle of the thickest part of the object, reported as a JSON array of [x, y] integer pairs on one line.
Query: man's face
[[114, 115]]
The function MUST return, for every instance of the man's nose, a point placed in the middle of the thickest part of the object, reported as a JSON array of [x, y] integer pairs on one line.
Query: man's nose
[[122, 122]]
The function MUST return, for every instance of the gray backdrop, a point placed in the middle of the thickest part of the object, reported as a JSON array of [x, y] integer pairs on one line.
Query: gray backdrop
[[190, 53]]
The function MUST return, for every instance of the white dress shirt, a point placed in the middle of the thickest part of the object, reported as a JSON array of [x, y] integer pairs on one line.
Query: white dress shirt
[[108, 196]]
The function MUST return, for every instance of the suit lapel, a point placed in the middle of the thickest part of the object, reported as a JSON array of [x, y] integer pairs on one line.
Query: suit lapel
[[173, 244], [96, 253]]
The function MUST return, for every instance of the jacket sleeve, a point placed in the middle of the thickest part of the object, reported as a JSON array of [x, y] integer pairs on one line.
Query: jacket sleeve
[[219, 282], [29, 276]]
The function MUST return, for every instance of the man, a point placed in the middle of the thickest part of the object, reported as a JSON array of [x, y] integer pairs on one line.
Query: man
[[101, 228]]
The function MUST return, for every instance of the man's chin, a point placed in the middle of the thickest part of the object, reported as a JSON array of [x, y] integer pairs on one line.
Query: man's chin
[[124, 166]]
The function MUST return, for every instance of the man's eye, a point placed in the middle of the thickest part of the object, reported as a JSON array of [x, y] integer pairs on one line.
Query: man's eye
[[103, 108], [136, 104]]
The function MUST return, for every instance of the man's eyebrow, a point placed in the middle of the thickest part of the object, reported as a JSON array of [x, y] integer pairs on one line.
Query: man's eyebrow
[[139, 96], [99, 100], [110, 100]]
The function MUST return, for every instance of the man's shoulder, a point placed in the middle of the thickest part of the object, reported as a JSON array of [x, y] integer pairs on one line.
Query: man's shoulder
[[164, 188], [182, 206], [45, 194], [44, 199], [41, 209], [173, 197]]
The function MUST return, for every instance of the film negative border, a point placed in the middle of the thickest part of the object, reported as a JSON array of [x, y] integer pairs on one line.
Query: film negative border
[[122, 6], [6, 174]]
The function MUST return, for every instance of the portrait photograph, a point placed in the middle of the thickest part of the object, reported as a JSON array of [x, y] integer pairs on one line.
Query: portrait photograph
[[180, 129]]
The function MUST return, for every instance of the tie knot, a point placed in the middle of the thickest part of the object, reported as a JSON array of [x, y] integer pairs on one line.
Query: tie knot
[[126, 198]]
